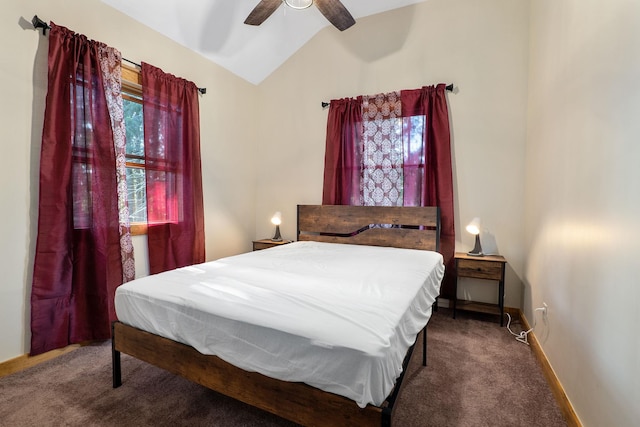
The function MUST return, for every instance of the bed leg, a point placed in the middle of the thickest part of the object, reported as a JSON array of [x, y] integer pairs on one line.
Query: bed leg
[[385, 421], [115, 361], [424, 346]]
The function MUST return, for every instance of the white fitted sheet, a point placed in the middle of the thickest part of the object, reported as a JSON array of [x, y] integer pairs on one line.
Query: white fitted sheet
[[338, 317]]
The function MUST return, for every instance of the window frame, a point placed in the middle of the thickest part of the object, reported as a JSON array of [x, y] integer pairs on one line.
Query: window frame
[[132, 91]]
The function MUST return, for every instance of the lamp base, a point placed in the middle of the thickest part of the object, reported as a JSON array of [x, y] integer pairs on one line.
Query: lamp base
[[277, 237], [477, 249]]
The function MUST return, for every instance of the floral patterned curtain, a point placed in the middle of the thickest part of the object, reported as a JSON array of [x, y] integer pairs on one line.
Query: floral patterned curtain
[[383, 158], [110, 64]]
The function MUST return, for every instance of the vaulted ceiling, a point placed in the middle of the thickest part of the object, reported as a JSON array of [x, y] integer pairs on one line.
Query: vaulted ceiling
[[216, 30]]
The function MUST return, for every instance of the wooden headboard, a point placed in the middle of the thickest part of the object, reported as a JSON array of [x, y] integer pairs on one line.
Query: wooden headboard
[[410, 227]]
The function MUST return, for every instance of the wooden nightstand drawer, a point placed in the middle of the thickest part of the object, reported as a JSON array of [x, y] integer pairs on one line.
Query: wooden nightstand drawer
[[491, 270]]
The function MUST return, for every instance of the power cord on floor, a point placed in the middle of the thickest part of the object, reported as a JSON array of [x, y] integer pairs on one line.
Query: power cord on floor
[[523, 335]]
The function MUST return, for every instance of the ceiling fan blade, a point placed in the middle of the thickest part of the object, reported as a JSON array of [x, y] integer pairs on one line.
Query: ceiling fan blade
[[262, 11], [336, 13]]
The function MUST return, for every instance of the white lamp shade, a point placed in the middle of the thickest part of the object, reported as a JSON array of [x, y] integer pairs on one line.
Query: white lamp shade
[[276, 219], [474, 226]]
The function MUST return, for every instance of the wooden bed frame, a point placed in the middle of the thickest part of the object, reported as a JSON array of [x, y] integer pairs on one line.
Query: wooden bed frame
[[406, 227]]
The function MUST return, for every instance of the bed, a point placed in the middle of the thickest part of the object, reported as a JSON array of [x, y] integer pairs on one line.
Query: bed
[[319, 331]]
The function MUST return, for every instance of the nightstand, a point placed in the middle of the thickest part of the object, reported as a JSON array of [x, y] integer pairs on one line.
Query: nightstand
[[267, 243], [488, 267]]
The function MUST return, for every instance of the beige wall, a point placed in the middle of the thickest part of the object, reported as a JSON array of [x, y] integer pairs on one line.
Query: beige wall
[[227, 142], [482, 47], [582, 200]]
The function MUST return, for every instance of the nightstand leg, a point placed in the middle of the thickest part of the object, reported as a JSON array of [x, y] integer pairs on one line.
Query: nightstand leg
[[501, 301], [455, 296]]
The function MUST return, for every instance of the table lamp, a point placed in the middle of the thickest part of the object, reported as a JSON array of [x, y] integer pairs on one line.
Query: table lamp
[[474, 228], [277, 220]]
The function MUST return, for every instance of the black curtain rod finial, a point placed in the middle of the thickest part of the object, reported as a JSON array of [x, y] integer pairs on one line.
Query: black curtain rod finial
[[39, 23]]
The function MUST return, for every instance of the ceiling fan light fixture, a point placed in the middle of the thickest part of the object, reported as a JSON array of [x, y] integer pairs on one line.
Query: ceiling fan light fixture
[[298, 4]]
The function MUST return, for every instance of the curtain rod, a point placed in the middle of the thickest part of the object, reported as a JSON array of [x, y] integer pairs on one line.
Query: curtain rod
[[449, 87], [39, 23]]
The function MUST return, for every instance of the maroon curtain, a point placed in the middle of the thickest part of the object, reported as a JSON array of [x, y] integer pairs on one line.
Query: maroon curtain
[[77, 260], [175, 212], [437, 185], [343, 154]]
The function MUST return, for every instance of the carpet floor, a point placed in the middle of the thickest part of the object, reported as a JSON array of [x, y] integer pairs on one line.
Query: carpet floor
[[477, 375]]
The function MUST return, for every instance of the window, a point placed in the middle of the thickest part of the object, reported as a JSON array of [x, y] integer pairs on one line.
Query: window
[[135, 166]]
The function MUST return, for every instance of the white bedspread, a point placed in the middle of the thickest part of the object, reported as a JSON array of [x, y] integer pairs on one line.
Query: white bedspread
[[337, 317]]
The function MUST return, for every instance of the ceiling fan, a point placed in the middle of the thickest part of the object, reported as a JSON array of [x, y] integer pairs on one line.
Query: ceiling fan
[[333, 10]]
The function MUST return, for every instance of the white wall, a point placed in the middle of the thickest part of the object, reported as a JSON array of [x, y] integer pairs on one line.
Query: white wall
[[582, 199], [482, 47], [227, 143]]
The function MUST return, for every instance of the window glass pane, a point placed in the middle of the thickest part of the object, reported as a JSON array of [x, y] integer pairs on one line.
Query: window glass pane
[[414, 159], [136, 181], [415, 133], [137, 194], [135, 127]]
